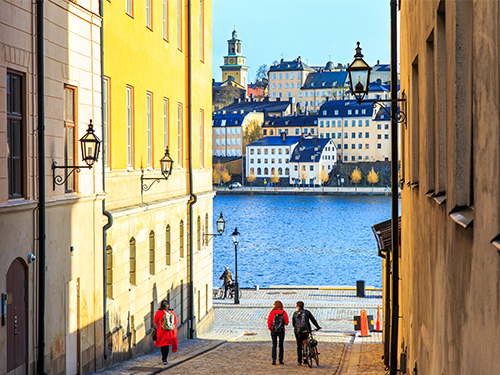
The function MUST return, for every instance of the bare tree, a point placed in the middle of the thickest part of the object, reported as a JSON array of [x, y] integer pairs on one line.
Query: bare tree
[[252, 132]]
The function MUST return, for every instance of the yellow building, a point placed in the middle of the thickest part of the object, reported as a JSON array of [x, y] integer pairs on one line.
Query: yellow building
[[157, 94], [234, 62]]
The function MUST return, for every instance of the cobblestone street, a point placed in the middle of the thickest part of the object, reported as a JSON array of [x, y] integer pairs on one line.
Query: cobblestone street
[[240, 342]]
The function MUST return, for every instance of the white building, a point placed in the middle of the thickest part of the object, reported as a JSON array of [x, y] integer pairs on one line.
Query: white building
[[269, 155], [309, 157]]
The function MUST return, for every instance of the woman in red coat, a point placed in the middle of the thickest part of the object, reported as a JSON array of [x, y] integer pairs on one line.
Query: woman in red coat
[[165, 338], [277, 332]]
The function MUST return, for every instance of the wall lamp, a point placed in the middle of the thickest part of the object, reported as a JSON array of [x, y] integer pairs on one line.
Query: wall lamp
[[221, 226], [166, 164], [359, 83], [91, 145]]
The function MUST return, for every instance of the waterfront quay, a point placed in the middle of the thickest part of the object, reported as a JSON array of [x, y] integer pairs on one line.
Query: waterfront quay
[[316, 190], [240, 342]]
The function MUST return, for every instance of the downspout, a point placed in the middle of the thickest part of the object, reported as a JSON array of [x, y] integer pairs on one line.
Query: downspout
[[394, 192], [192, 198], [41, 187], [105, 213]]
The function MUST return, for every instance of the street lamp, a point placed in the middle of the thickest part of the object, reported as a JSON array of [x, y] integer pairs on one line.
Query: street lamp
[[236, 236], [359, 76], [91, 145], [166, 164], [221, 227]]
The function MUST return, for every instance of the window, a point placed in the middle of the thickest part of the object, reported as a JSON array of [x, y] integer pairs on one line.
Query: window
[[386, 126], [202, 137], [132, 262], [296, 168], [360, 146], [217, 142], [367, 146], [291, 75], [360, 122], [353, 135], [306, 93], [346, 146], [152, 259], [379, 126], [165, 19], [181, 239], [279, 75], [251, 151], [238, 131], [280, 94], [128, 7], [328, 123], [105, 121], [165, 123], [379, 136], [265, 151], [286, 75], [336, 112], [179, 24], [349, 111], [179, 135], [353, 146], [168, 249], [258, 151], [291, 85], [356, 111], [266, 171], [280, 161], [224, 141], [367, 135], [223, 131], [259, 171], [298, 75], [360, 135], [265, 161], [339, 135], [130, 126], [198, 230], [274, 95], [274, 76], [233, 142], [288, 94], [379, 145], [202, 31], [333, 135], [15, 121], [386, 136], [346, 123], [149, 127], [297, 131], [353, 123], [287, 151], [149, 14], [69, 135], [274, 85], [367, 122], [286, 85], [353, 158], [311, 167]]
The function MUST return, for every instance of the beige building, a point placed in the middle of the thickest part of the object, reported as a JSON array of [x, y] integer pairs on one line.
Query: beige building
[[228, 132], [449, 260], [73, 314], [286, 79], [360, 132]]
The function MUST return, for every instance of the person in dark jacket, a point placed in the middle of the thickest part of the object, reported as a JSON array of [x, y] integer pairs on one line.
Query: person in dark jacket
[[165, 338], [278, 309], [228, 280], [300, 332]]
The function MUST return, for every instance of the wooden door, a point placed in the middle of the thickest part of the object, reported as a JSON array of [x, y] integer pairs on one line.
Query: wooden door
[[16, 316]]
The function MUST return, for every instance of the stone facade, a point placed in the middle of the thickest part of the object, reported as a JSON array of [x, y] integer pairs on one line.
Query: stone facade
[[450, 260], [74, 311]]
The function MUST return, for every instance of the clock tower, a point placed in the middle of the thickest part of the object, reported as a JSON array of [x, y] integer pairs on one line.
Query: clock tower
[[234, 62]]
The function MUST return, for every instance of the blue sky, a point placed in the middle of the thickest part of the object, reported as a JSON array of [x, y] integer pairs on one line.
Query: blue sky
[[316, 30]]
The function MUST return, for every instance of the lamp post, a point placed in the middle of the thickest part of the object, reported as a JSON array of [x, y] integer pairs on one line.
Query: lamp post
[[359, 89], [236, 236]]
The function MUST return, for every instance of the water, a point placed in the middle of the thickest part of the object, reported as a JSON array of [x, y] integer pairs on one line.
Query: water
[[300, 240]]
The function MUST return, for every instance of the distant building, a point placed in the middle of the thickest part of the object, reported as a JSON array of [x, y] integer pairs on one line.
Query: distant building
[[225, 93], [321, 85], [270, 155], [286, 78], [228, 130], [359, 132], [309, 157], [290, 125], [234, 62], [268, 107]]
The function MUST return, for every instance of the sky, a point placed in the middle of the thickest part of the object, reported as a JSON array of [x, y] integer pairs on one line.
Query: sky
[[316, 30]]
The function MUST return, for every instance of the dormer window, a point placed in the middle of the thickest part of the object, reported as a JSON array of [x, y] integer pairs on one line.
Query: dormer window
[[297, 157], [323, 83], [302, 148], [316, 148], [324, 113], [312, 84], [349, 111], [363, 111], [336, 112], [356, 112]]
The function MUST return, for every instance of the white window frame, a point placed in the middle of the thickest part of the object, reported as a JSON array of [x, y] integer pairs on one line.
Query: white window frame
[[149, 128], [130, 126], [179, 134]]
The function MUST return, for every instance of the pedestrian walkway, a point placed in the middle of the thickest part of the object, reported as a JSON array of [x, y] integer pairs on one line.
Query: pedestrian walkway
[[240, 340]]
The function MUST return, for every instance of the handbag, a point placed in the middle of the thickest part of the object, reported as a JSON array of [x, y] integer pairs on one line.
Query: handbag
[[153, 333]]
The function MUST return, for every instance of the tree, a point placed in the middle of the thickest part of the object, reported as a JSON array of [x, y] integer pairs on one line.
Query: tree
[[222, 172], [226, 177], [251, 178], [215, 175], [261, 79], [252, 131], [323, 177], [303, 176], [275, 178], [356, 176], [225, 96], [372, 177]]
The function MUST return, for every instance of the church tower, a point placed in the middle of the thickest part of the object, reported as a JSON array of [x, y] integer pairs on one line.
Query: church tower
[[234, 62]]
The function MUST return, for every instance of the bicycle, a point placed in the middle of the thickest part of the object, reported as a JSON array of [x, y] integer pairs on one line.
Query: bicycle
[[310, 349], [219, 293]]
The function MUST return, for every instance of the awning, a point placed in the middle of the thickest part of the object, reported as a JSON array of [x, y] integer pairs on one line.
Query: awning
[[383, 235]]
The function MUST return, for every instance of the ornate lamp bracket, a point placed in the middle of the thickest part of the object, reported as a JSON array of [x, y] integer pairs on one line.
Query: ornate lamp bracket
[[61, 180]]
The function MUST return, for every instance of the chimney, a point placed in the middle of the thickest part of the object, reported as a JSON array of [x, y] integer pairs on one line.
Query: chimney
[[251, 97], [213, 81], [278, 99], [298, 59], [283, 136]]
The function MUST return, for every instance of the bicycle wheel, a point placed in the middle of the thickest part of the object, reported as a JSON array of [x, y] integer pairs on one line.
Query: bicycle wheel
[[315, 355], [307, 354]]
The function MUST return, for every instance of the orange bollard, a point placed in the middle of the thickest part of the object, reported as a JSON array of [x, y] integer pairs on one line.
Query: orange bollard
[[377, 325], [364, 324]]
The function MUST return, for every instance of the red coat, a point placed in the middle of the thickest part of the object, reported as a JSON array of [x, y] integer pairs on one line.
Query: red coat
[[270, 319], [165, 338]]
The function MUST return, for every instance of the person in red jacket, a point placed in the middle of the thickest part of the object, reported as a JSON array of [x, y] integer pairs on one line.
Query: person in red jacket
[[276, 323], [165, 338]]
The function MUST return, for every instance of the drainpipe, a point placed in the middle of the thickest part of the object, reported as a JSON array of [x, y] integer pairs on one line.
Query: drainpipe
[[105, 213], [394, 192], [41, 187], [193, 198]]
